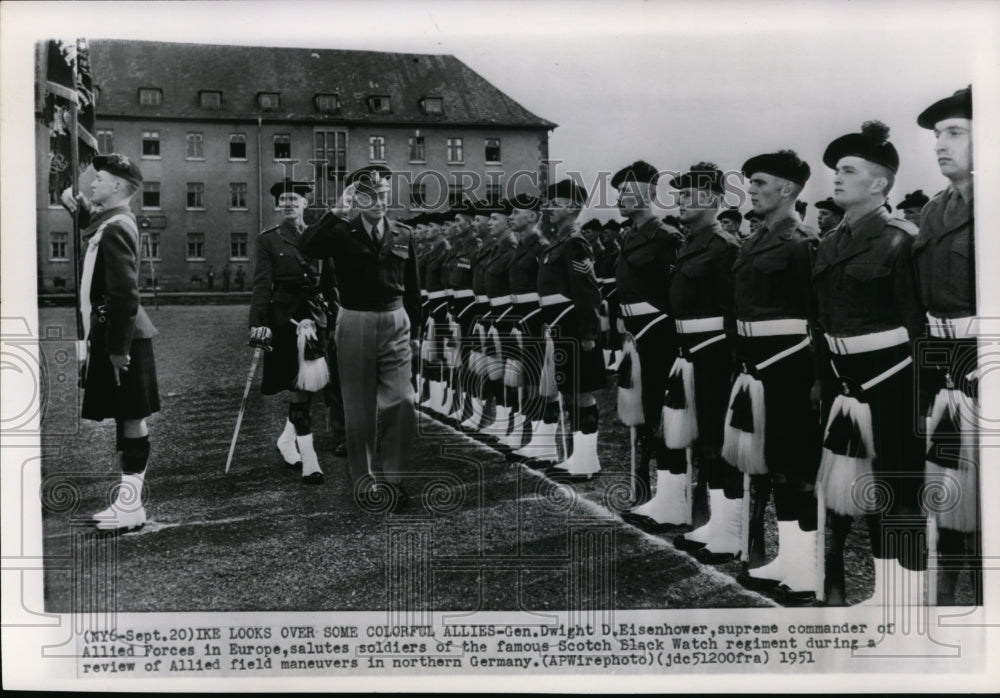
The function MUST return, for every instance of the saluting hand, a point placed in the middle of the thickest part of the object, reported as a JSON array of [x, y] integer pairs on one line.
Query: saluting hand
[[345, 203]]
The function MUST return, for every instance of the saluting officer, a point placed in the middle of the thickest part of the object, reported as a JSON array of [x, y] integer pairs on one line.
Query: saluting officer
[[701, 303], [377, 329], [286, 292], [570, 302], [647, 257], [944, 255], [870, 312], [912, 204], [120, 378], [771, 431], [828, 216]]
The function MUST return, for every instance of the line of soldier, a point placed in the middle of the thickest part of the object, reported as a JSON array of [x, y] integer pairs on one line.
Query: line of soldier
[[835, 369]]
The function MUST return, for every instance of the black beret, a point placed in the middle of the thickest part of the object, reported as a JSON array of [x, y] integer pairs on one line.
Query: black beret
[[731, 214], [287, 186], [485, 207], [118, 165], [800, 207], [704, 175], [638, 171], [872, 144], [592, 224], [828, 204], [958, 106], [613, 225], [567, 189], [915, 200], [525, 202], [464, 207], [672, 220], [754, 216], [784, 163], [371, 178]]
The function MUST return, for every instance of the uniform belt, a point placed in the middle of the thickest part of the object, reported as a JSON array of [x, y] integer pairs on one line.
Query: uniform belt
[[463, 293], [394, 304], [553, 299], [606, 280], [499, 300], [524, 298], [423, 292], [482, 298], [637, 309], [861, 343], [701, 324], [770, 328], [952, 328], [434, 295]]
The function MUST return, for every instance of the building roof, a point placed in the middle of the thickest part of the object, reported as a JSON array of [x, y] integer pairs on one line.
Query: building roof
[[181, 71]]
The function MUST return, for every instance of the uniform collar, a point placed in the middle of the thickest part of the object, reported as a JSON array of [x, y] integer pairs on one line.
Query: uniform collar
[[368, 226], [869, 225]]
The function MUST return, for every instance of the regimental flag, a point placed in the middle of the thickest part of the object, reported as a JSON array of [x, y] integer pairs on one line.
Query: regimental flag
[[65, 83]]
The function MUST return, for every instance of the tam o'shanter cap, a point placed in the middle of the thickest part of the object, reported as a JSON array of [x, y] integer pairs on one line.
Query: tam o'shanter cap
[[704, 175], [958, 106], [784, 163], [118, 165], [828, 204], [639, 171], [872, 144], [567, 189], [916, 199]]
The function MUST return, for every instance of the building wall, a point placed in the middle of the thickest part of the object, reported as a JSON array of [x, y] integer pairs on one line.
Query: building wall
[[518, 171]]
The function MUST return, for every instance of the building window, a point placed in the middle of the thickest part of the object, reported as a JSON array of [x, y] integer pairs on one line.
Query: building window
[[105, 141], [269, 100], [210, 99], [455, 150], [151, 195], [195, 195], [282, 146], [376, 148], [238, 195], [238, 246], [151, 246], [454, 195], [238, 146], [418, 195], [417, 149], [150, 96], [195, 246], [432, 105], [494, 192], [379, 104], [195, 147], [492, 150], [150, 144], [59, 247], [327, 102], [330, 154]]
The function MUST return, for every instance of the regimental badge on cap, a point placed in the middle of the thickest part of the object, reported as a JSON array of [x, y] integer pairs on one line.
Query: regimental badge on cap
[[371, 179], [118, 165]]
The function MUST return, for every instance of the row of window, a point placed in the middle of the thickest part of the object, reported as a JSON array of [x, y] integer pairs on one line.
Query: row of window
[[377, 152], [271, 101], [195, 198], [59, 247]]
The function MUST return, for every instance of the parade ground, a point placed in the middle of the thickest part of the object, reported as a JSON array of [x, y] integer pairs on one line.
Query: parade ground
[[478, 534]]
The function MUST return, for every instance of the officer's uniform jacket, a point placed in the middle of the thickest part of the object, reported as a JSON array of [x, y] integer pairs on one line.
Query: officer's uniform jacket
[[524, 262], [284, 279], [646, 260], [496, 270], [462, 263], [434, 270], [702, 282], [567, 268], [944, 256]]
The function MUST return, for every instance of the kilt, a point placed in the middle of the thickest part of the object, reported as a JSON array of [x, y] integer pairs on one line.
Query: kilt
[[712, 372], [138, 395], [899, 451], [792, 430], [657, 348], [576, 371], [609, 293], [281, 364], [464, 313], [501, 319], [531, 349]]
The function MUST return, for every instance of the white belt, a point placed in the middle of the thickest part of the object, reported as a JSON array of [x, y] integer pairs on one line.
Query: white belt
[[636, 309], [953, 328], [609, 280], [770, 328], [482, 299], [702, 324], [423, 292], [524, 298], [553, 299], [434, 295], [463, 293], [499, 300], [868, 342]]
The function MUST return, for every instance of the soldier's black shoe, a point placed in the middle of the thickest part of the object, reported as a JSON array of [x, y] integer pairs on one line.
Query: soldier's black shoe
[[688, 546], [340, 450], [563, 475], [708, 557], [788, 597], [648, 524], [759, 584], [313, 479], [297, 465]]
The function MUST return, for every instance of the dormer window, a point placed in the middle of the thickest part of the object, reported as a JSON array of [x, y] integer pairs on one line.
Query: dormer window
[[379, 104], [327, 102], [269, 100], [432, 105], [210, 99], [150, 96]]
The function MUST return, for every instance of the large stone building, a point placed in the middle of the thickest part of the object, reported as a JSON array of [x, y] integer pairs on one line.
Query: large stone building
[[213, 127]]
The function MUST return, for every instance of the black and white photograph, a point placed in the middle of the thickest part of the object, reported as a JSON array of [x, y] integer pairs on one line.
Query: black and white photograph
[[502, 345]]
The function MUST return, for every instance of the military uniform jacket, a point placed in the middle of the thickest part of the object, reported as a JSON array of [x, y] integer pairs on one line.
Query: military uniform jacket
[[496, 271], [372, 276], [567, 268], [462, 263], [702, 282], [773, 272], [479, 263], [524, 261], [606, 267], [434, 271], [114, 287], [283, 278], [944, 256], [863, 277], [647, 258]]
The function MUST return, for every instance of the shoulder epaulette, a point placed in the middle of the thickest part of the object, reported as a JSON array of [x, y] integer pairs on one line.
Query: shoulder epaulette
[[903, 224], [728, 237], [807, 231]]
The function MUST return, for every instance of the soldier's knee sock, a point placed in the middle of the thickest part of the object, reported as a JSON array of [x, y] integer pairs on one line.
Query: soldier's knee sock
[[808, 520], [135, 455], [674, 460], [119, 435], [550, 413], [510, 397], [298, 415], [785, 505], [588, 418], [723, 476], [882, 541], [911, 549]]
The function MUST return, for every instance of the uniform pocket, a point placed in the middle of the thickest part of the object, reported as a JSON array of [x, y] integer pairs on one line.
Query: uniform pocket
[[770, 265]]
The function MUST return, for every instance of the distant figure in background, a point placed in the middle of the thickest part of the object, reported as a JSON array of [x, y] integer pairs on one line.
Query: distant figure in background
[[227, 277], [210, 275], [731, 220], [912, 205], [829, 215], [753, 220]]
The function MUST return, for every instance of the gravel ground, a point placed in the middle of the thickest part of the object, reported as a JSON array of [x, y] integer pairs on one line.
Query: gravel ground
[[482, 534]]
